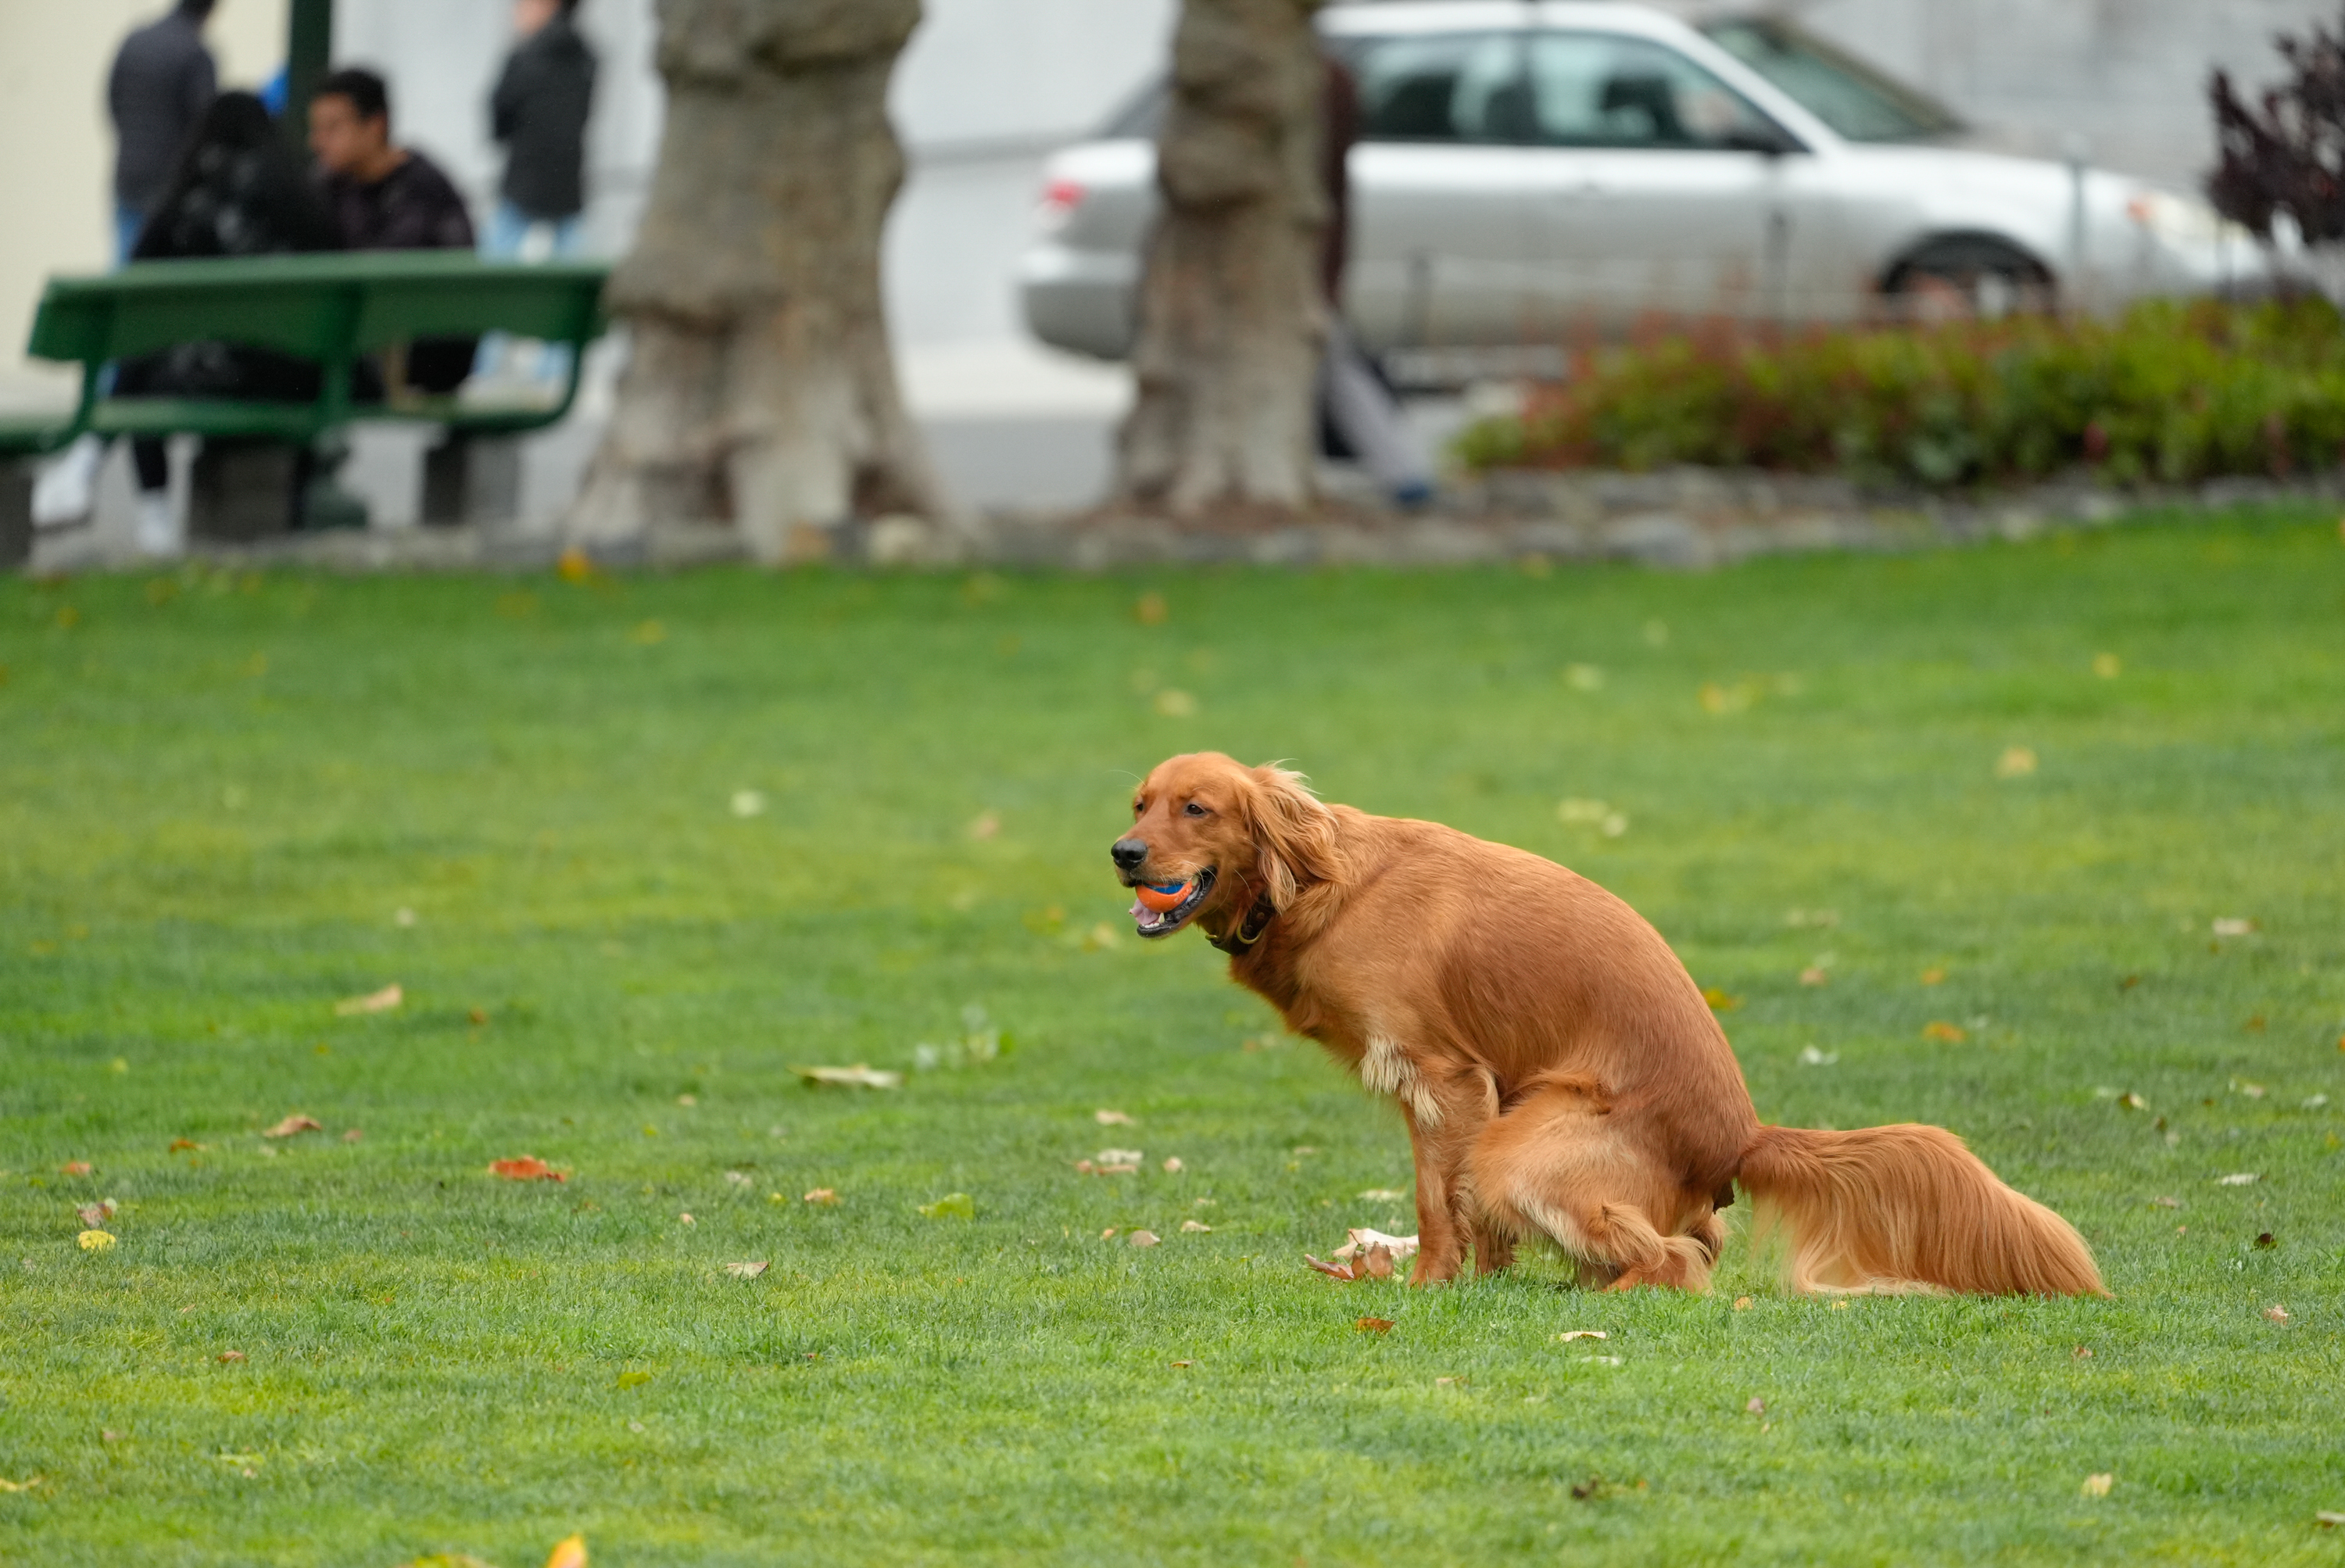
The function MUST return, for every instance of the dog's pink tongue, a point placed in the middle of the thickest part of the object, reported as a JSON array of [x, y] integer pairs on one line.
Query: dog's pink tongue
[[1139, 911]]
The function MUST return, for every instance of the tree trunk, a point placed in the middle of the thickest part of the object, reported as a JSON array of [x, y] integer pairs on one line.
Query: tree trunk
[[760, 386], [1231, 313]]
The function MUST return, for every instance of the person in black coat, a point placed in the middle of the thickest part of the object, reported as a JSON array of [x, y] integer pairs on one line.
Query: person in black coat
[[539, 113], [237, 190]]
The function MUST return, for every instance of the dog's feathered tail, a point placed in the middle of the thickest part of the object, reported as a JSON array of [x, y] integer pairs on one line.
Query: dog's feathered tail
[[1906, 1208]]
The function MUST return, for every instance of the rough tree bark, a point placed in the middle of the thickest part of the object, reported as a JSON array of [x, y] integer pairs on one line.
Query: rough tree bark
[[760, 386], [1230, 318]]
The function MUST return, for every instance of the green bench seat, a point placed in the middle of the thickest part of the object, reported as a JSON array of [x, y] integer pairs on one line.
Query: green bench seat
[[332, 309]]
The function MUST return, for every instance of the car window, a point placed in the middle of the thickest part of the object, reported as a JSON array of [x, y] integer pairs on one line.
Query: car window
[[1597, 89], [1444, 86], [1859, 102]]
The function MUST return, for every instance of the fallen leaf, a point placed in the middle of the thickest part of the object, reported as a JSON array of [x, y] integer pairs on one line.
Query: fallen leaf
[[2324, 1518], [1939, 1029], [2016, 762], [1191, 1227], [1742, 1303], [352, 1135], [107, 1434], [1592, 1487], [2233, 925], [230, 1355], [569, 1553], [2099, 1485], [1720, 1001], [94, 1216], [855, 1077], [952, 1205], [1756, 1407], [294, 1125], [1120, 1167], [26, 1484], [383, 1001], [746, 1270], [2276, 1313], [822, 1195], [1373, 1326], [686, 1219], [2167, 1202], [1184, 1363], [95, 1240], [180, 1143], [1450, 1382], [1108, 1235], [1568, 1335], [2130, 1102], [1812, 975], [2252, 1091], [528, 1167], [1112, 1119], [1369, 1255], [2265, 1239], [2081, 1353], [73, 1168], [1142, 1238], [2240, 1178], [987, 825]]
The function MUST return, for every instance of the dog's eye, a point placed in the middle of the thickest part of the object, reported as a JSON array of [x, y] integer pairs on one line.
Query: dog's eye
[[1193, 809]]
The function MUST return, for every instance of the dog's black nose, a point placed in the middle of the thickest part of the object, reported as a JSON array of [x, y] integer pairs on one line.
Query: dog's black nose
[[1129, 854]]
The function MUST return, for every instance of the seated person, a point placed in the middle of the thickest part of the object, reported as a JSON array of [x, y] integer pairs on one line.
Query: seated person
[[237, 191], [384, 197]]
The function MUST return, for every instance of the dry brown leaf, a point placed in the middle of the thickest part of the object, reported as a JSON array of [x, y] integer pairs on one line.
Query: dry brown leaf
[[95, 1215], [1374, 1325], [1184, 1363], [528, 1167], [1142, 1238], [1093, 1167], [2163, 1202], [1814, 975], [2082, 1353], [1756, 1407], [855, 1077], [352, 1135], [1173, 1167], [1191, 1227], [2016, 762], [1108, 1235], [230, 1356], [2099, 1485], [383, 1001], [293, 1126], [823, 1197], [1939, 1029], [1742, 1303], [180, 1143], [686, 1219], [1112, 1119], [1568, 1335], [74, 1168], [746, 1270], [1451, 1382], [2276, 1313]]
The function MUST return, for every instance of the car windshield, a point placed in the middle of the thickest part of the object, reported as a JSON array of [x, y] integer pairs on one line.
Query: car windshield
[[1850, 96]]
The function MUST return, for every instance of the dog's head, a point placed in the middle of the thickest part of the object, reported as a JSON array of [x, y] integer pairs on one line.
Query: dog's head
[[1210, 836]]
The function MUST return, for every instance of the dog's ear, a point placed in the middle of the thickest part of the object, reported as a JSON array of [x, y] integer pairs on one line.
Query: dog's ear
[[1294, 833]]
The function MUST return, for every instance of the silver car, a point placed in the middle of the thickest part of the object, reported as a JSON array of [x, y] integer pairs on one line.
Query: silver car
[[1531, 173]]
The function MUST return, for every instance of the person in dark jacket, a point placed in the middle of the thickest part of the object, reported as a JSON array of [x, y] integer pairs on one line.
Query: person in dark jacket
[[162, 81], [539, 113], [385, 196], [238, 191]]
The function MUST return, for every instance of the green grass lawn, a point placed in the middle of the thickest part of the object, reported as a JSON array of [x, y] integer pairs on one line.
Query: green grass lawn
[[657, 840]]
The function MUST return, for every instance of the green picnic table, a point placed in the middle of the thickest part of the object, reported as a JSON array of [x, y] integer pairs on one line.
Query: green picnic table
[[333, 309]]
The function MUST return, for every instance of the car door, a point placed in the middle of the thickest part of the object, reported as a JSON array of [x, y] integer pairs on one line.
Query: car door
[[1444, 250], [1663, 192]]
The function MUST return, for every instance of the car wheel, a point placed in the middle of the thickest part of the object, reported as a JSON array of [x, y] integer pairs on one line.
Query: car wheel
[[1968, 277]]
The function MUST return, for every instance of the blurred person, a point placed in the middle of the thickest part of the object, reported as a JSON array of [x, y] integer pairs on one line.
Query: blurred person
[[539, 112], [162, 80], [385, 196], [1356, 407], [238, 191]]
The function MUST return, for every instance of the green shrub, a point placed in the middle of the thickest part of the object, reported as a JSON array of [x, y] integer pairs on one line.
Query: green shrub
[[2173, 392]]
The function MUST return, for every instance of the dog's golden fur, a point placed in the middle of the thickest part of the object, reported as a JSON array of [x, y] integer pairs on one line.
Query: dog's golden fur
[[1559, 1073]]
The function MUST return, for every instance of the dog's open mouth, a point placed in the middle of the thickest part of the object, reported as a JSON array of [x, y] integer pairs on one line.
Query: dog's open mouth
[[1165, 922]]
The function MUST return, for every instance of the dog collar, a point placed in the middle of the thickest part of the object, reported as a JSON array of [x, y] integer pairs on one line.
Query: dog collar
[[1249, 929]]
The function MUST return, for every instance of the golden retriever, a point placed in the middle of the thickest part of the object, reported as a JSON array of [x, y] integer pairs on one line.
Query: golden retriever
[[1559, 1073]]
